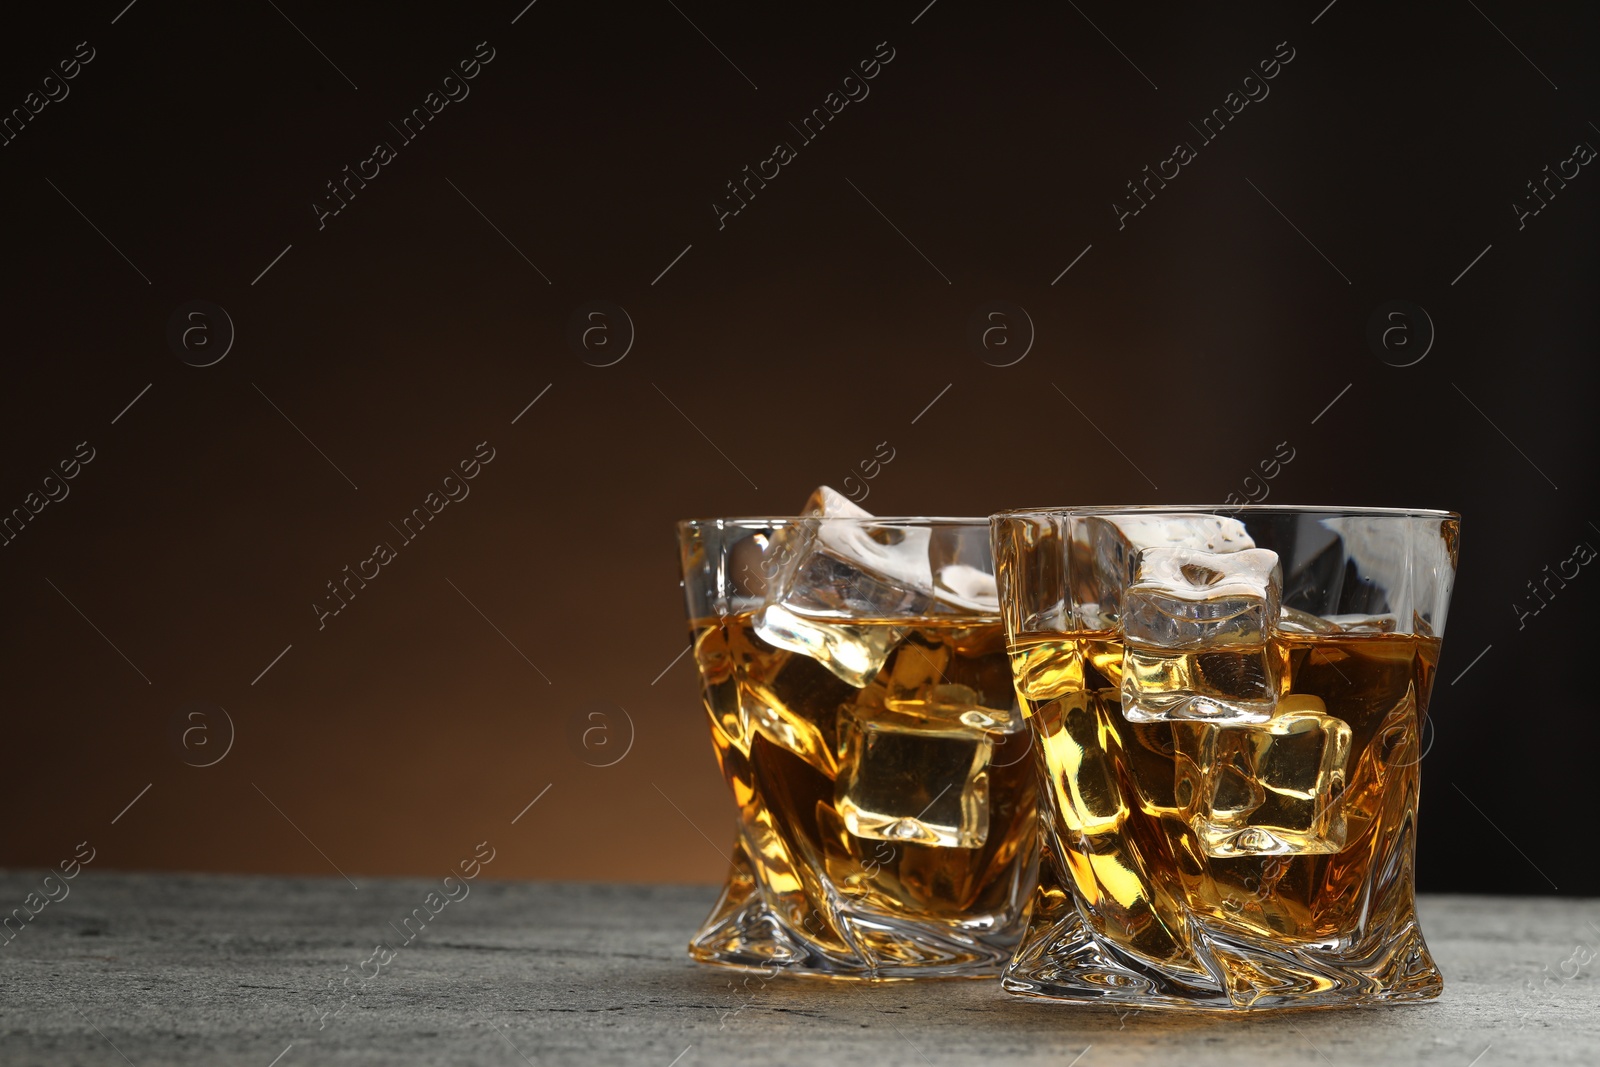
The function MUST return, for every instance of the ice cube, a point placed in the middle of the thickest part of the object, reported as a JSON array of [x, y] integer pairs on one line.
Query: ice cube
[[968, 587], [1197, 628], [843, 572], [917, 670], [1295, 621], [901, 779], [855, 654], [939, 684], [1273, 789], [831, 577], [1104, 553], [841, 569], [871, 568]]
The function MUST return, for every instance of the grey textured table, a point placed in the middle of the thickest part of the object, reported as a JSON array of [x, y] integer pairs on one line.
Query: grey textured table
[[222, 970]]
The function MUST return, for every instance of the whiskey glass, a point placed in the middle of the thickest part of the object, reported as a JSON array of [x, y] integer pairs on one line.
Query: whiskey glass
[[1227, 707], [862, 711]]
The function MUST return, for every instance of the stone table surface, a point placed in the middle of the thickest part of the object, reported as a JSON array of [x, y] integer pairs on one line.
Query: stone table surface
[[159, 968]]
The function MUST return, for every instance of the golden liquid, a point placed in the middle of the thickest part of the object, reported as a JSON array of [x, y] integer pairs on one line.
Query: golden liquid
[[783, 727], [1122, 805]]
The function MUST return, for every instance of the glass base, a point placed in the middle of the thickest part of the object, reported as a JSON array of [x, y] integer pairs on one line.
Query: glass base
[[1062, 959], [745, 931]]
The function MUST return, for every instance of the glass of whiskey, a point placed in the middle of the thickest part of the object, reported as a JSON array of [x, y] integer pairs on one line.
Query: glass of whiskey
[[862, 711], [1227, 708]]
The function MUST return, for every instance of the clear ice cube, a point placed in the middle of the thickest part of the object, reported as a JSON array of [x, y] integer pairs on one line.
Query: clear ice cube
[[1208, 533], [1402, 569], [904, 779], [1271, 789], [917, 670], [1083, 740], [1184, 598], [947, 688], [1197, 630], [1105, 553], [1222, 686], [828, 575]]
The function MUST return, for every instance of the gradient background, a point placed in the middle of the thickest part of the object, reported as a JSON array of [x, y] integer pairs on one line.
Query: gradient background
[[774, 355]]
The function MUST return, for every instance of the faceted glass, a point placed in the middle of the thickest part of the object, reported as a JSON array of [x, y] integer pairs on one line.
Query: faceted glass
[[862, 710], [1228, 710]]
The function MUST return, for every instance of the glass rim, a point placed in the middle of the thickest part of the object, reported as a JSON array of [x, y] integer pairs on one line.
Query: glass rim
[[1331, 511], [744, 521]]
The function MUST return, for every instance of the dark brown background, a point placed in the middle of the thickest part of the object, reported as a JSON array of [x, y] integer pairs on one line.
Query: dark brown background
[[797, 338]]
